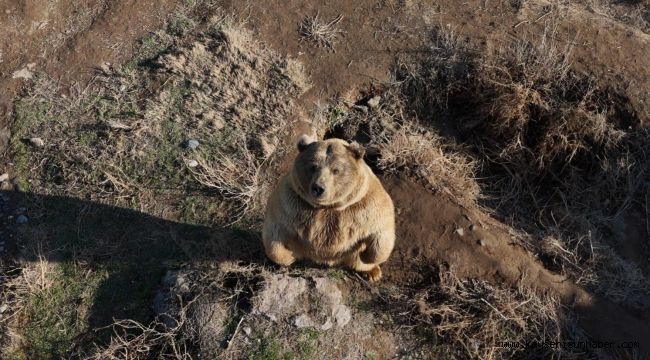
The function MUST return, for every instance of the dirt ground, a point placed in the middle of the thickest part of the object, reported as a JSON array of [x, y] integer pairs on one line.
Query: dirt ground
[[70, 42]]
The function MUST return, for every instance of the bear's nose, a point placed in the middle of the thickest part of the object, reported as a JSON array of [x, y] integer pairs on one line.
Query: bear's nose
[[317, 190]]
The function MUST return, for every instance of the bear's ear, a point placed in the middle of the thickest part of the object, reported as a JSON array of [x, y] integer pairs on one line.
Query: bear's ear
[[357, 150], [304, 141]]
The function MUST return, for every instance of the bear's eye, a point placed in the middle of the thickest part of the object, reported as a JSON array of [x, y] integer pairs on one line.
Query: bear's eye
[[313, 168], [336, 171]]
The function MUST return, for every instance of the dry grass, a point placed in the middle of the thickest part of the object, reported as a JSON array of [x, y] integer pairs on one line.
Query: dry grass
[[399, 144], [557, 158], [315, 30], [469, 319], [635, 13], [429, 157]]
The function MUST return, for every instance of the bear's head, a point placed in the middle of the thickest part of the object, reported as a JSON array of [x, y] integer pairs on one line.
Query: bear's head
[[329, 173]]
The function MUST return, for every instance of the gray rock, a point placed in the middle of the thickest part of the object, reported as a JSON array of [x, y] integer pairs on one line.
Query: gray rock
[[342, 315], [24, 73], [114, 124], [374, 101], [280, 295], [327, 325], [21, 219], [3, 308], [247, 330], [163, 309], [176, 280], [37, 142], [192, 163], [191, 144], [205, 320], [303, 321]]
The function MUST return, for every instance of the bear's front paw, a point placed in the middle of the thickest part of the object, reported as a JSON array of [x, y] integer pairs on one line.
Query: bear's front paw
[[374, 275]]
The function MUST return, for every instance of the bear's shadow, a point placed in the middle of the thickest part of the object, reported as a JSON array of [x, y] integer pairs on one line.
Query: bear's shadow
[[132, 250]]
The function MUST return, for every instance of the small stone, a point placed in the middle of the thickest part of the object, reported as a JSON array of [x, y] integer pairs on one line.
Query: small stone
[[303, 321], [480, 242], [362, 108], [21, 219], [3, 308], [342, 315], [37, 142], [192, 163], [191, 144], [4, 177], [472, 227], [460, 231], [106, 67], [23, 73], [328, 325], [374, 102], [247, 330], [114, 124]]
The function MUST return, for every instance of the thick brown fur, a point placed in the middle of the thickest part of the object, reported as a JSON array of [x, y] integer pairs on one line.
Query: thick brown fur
[[351, 224]]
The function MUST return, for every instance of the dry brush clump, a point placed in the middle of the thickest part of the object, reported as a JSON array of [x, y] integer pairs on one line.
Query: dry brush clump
[[631, 12], [397, 143], [319, 32], [473, 319], [558, 155]]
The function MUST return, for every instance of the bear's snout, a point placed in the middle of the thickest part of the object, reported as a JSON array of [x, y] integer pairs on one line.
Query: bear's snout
[[317, 190]]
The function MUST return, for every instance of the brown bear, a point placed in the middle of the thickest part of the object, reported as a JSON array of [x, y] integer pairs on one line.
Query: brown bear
[[331, 209]]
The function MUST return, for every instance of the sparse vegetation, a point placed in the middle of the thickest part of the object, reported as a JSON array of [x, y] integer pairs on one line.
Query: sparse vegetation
[[319, 32], [116, 198], [557, 158]]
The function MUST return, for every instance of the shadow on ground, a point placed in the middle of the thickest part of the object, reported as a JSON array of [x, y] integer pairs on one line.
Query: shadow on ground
[[125, 252]]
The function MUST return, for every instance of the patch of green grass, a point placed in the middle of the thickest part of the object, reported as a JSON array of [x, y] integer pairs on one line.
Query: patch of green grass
[[197, 209], [28, 115], [336, 113], [149, 48], [180, 24], [308, 342], [337, 274], [270, 349], [57, 314], [358, 304]]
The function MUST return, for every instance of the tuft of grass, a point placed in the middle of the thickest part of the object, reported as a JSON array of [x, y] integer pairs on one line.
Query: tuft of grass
[[270, 349], [319, 32]]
